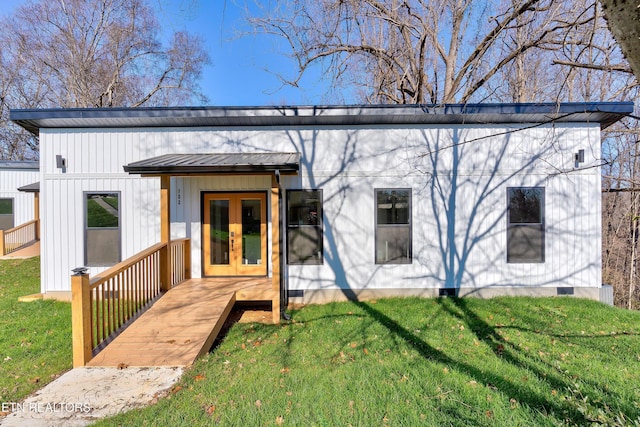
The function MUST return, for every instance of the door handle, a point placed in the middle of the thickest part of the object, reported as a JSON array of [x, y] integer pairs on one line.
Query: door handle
[[231, 245]]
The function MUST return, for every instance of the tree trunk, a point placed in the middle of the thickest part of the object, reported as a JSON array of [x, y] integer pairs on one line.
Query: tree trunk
[[623, 18]]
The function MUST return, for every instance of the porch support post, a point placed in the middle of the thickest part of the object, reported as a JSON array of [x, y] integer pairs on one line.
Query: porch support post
[[165, 232], [36, 212], [81, 320], [275, 249], [2, 247]]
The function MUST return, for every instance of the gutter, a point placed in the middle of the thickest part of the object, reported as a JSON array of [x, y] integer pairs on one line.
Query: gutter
[[284, 297]]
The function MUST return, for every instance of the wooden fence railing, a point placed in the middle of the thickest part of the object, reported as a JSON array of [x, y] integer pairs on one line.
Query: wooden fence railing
[[18, 237], [105, 304], [180, 256]]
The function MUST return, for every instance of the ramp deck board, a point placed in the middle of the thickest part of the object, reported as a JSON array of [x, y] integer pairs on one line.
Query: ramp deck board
[[182, 324]]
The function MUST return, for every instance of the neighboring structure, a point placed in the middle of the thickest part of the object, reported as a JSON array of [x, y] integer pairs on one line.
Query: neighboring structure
[[16, 207], [375, 200], [18, 210]]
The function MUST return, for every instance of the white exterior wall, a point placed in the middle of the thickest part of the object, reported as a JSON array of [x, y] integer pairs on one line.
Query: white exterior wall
[[10, 180], [466, 167]]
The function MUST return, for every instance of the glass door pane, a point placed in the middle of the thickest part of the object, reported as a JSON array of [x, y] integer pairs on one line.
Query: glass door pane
[[219, 232], [251, 232], [234, 234]]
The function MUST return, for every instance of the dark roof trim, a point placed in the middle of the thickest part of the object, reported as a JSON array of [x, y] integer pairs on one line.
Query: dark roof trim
[[605, 113], [20, 164], [203, 164], [30, 188]]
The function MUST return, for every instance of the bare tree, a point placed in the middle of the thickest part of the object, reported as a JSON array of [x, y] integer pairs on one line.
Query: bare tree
[[597, 70], [621, 215], [91, 53], [441, 51]]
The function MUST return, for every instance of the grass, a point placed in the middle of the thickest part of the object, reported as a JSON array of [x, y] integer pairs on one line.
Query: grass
[[35, 337], [98, 216], [504, 361]]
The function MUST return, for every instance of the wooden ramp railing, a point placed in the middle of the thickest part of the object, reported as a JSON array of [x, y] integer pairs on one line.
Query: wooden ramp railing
[[180, 255], [107, 303], [18, 237]]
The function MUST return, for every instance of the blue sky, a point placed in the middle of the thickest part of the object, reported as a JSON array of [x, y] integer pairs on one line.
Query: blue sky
[[242, 69]]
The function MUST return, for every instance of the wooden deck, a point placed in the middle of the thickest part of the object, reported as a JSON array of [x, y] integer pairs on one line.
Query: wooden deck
[[183, 323], [29, 251]]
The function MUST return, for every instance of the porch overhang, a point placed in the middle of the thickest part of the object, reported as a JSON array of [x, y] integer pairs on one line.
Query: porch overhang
[[30, 188], [209, 164], [216, 163]]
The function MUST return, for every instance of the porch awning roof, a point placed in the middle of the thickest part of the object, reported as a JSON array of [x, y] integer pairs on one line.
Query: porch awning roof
[[204, 164], [30, 188]]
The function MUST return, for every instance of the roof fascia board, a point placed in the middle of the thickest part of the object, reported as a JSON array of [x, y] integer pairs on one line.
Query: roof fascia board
[[604, 113]]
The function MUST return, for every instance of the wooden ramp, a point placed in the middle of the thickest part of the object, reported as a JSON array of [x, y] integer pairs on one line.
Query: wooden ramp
[[183, 323]]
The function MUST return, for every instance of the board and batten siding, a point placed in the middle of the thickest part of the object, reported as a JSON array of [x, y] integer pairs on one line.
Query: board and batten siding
[[63, 204], [458, 176], [23, 203]]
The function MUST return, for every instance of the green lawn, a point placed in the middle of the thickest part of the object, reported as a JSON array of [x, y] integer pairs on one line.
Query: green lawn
[[35, 337], [504, 361], [499, 362]]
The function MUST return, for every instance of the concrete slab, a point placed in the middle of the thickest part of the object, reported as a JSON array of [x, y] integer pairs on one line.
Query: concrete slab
[[84, 395]]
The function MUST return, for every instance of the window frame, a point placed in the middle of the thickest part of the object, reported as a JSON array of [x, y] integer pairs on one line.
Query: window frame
[[86, 197], [408, 226], [540, 225], [290, 227], [12, 214]]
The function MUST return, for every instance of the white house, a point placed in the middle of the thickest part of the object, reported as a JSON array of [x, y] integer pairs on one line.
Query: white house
[[372, 201], [16, 207]]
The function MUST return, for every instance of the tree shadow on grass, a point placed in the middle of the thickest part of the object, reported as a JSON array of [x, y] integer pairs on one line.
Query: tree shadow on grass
[[552, 373], [485, 333]]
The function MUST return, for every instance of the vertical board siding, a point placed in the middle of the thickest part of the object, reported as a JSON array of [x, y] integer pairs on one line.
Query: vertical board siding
[[10, 180], [63, 210], [92, 166], [459, 177]]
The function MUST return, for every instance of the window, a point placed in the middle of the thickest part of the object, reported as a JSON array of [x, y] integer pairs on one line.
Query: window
[[393, 226], [304, 227], [6, 214], [525, 225], [102, 229]]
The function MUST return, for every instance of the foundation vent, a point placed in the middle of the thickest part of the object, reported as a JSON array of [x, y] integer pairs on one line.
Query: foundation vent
[[448, 292]]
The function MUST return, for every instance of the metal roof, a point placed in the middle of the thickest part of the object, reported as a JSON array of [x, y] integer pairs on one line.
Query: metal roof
[[185, 164], [604, 113], [30, 188], [20, 164]]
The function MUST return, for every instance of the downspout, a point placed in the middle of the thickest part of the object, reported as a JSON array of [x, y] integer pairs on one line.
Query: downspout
[[284, 294]]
